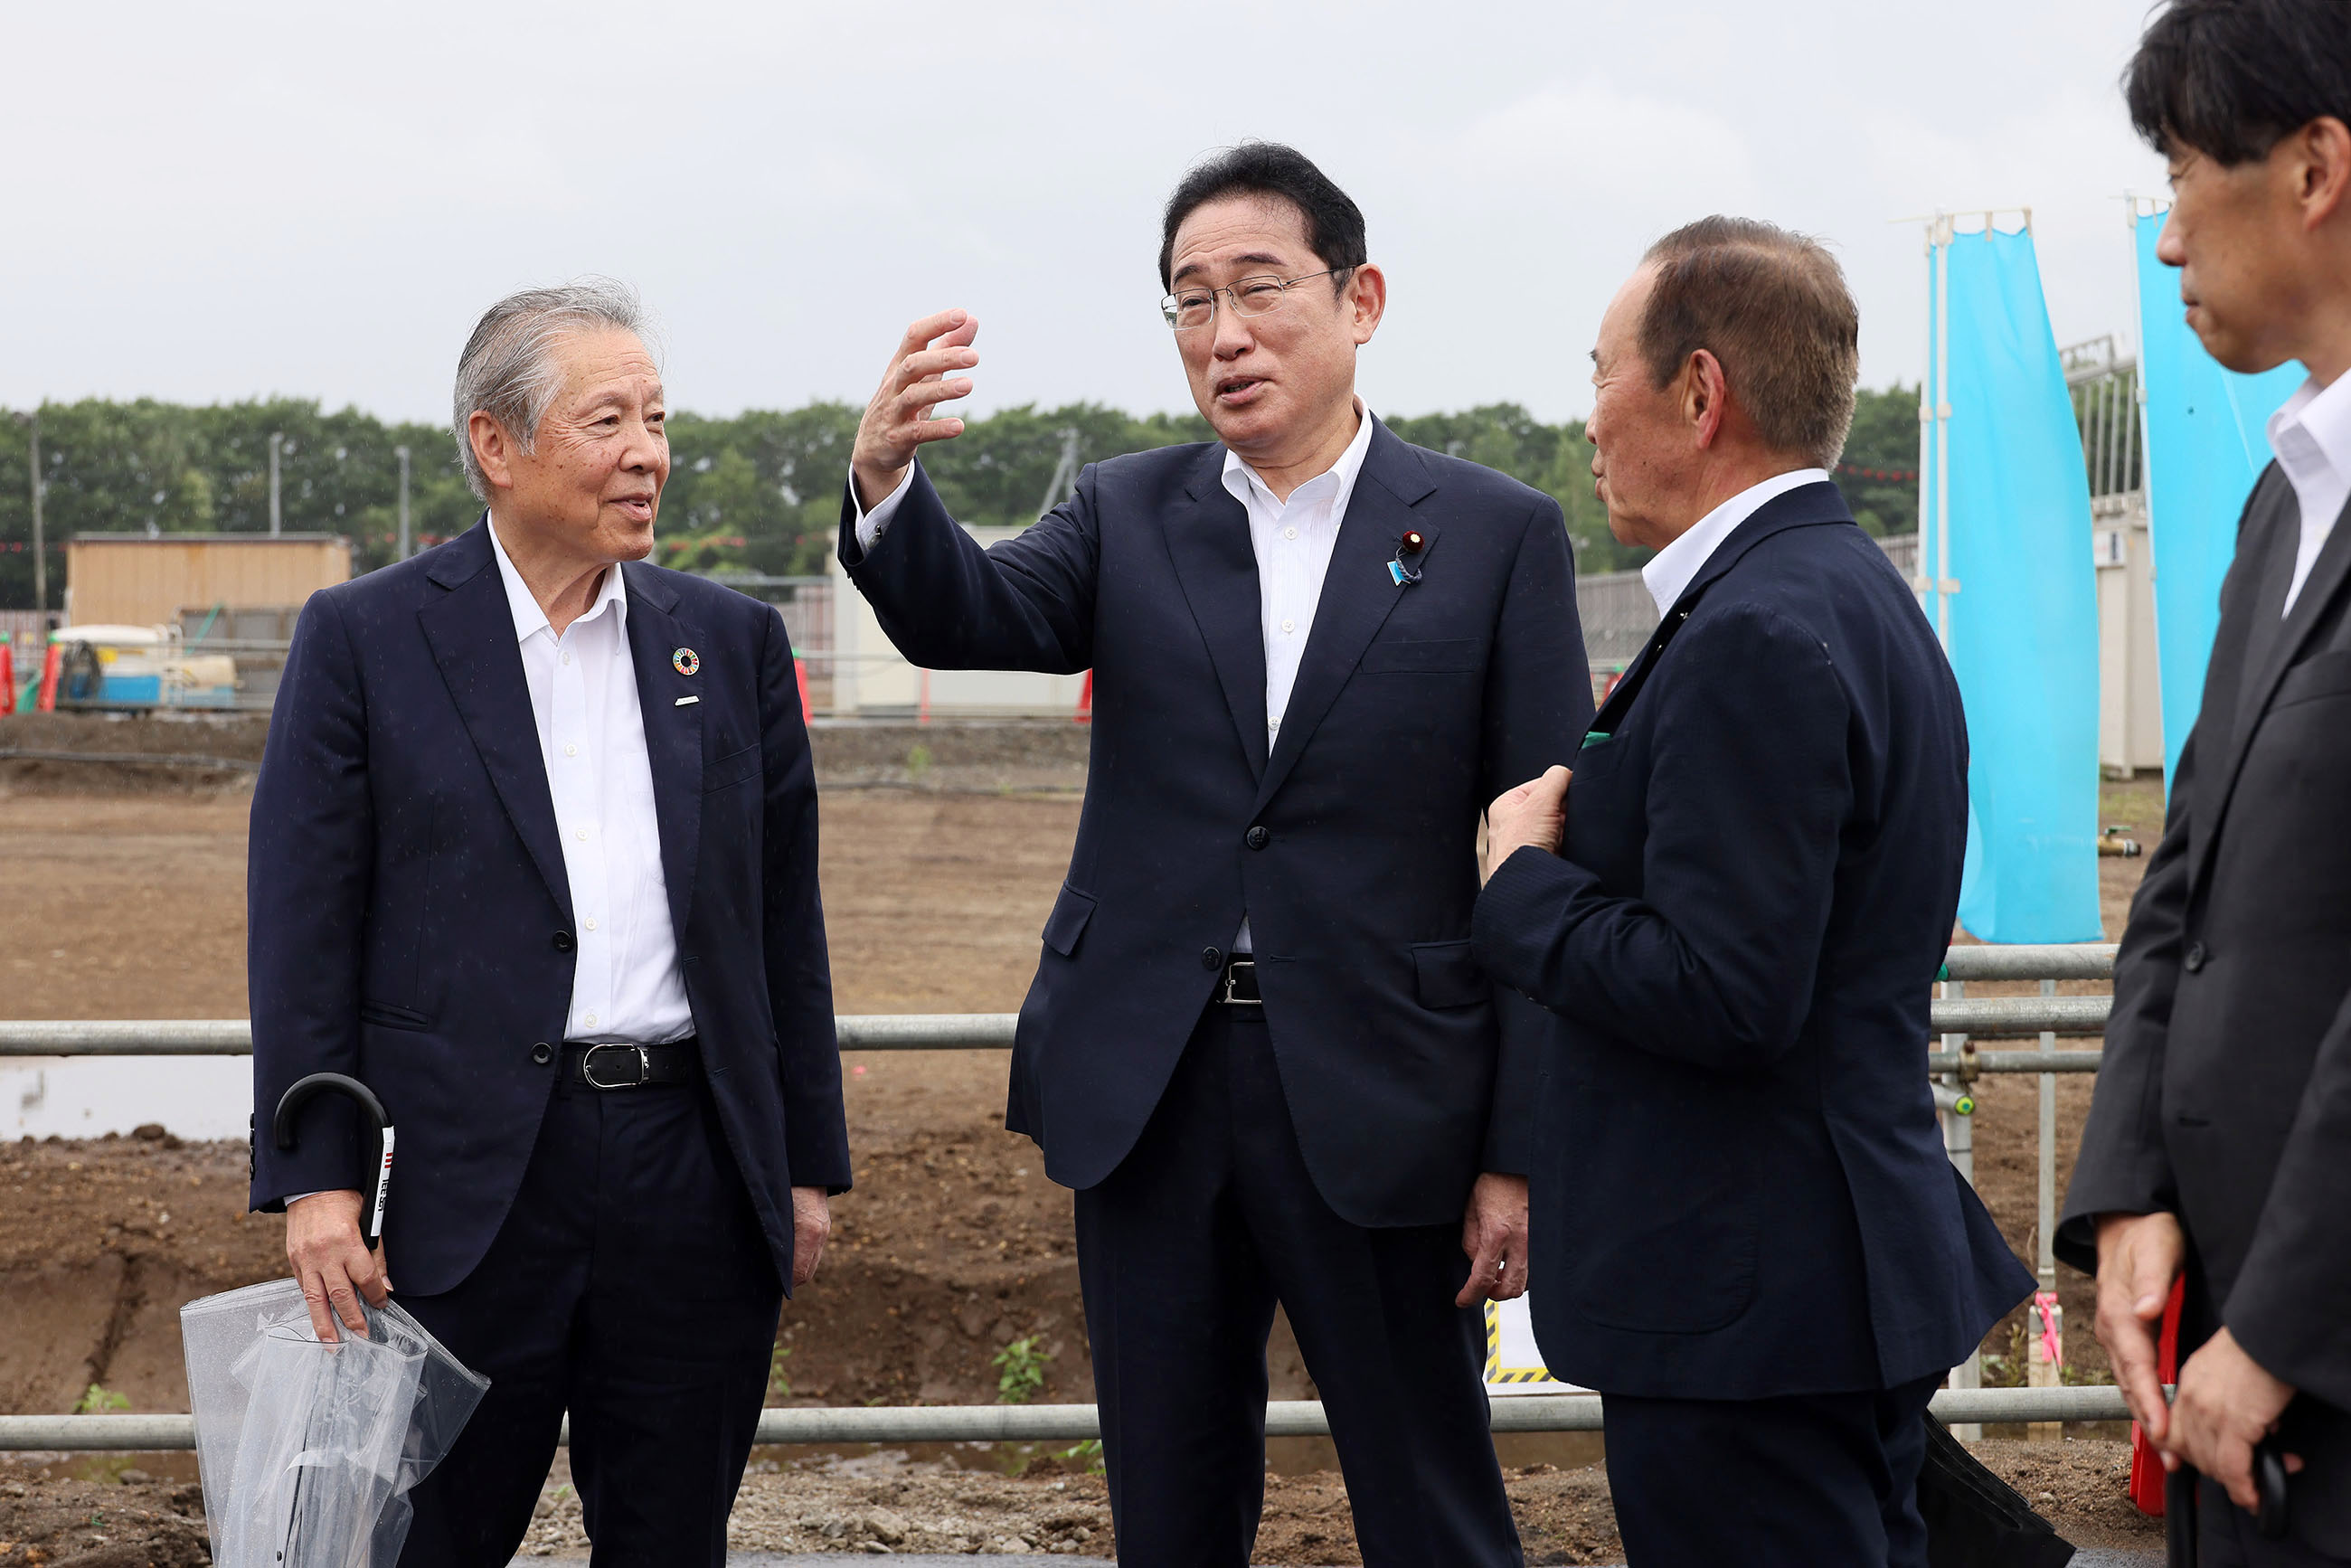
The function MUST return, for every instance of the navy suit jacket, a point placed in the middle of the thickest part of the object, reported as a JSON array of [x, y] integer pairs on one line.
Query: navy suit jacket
[[411, 920], [1740, 1191], [1350, 843]]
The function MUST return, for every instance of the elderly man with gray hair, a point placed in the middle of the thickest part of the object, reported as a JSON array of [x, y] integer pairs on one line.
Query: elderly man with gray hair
[[534, 858]]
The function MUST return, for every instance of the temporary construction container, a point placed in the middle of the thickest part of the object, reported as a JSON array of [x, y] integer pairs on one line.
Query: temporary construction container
[[142, 580]]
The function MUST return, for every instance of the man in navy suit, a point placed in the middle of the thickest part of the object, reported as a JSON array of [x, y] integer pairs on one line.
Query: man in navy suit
[[534, 856], [1746, 1233], [1256, 1044]]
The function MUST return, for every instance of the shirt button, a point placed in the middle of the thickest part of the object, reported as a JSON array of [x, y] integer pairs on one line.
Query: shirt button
[[592, 922], [570, 751], [1212, 957], [1290, 625], [542, 1053], [1290, 533], [580, 833], [589, 1020], [1257, 838], [565, 942], [566, 656]]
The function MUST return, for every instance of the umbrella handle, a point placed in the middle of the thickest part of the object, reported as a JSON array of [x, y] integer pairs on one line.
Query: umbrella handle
[[2269, 1477], [378, 1174]]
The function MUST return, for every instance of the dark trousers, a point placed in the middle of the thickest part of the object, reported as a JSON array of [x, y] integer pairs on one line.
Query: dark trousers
[[1184, 1252], [1812, 1481], [631, 1286]]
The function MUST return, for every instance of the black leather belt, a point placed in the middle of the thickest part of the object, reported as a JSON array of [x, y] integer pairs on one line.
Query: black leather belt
[[618, 1064], [1239, 987]]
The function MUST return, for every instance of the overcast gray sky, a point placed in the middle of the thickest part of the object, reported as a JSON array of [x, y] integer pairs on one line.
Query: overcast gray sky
[[219, 201]]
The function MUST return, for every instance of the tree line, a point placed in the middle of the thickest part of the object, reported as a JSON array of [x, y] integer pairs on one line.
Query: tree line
[[759, 491]]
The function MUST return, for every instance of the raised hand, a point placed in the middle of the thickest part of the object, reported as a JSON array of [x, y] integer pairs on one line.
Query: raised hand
[[921, 375]]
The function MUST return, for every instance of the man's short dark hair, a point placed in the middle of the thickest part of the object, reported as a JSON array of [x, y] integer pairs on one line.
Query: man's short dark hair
[[2229, 77], [1334, 224], [1773, 308]]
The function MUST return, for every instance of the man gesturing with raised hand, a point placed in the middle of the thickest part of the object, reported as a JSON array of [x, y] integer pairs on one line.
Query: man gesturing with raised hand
[[1256, 1044]]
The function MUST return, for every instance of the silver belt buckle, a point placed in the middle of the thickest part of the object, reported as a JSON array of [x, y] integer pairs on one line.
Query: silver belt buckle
[[587, 1065], [1231, 1000]]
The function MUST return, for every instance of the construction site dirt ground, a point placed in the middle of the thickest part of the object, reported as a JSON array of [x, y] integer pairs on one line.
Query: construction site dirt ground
[[125, 899]]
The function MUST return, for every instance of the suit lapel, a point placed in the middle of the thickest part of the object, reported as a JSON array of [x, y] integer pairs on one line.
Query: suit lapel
[[1216, 565], [1357, 593], [1802, 507], [2273, 642], [471, 631], [672, 733]]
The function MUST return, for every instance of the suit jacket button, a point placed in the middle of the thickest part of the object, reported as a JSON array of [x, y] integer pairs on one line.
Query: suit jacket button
[[1257, 838], [542, 1053], [564, 942], [1212, 957], [2193, 960]]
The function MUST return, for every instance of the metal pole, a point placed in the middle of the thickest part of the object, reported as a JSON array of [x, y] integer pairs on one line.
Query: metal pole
[[403, 454], [41, 542], [1959, 1143], [1942, 567], [2047, 1321], [276, 444]]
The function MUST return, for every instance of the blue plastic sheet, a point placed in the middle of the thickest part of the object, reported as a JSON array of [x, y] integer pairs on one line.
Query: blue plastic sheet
[[2207, 442], [2023, 621]]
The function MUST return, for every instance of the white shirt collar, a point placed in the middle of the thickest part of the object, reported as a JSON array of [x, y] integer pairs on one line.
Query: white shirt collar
[[1240, 478], [1672, 568], [2311, 433], [528, 618]]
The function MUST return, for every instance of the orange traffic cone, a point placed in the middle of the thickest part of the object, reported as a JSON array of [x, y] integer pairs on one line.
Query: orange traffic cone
[[50, 667]]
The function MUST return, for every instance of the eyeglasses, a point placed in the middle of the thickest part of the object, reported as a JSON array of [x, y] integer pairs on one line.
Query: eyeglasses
[[1190, 309]]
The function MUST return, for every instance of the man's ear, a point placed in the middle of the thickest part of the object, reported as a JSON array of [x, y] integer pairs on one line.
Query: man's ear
[[2323, 150], [1705, 396], [1367, 295], [492, 449]]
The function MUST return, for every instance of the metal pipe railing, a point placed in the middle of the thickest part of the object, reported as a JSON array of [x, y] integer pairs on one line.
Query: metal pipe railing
[[1066, 1423], [1981, 1017], [2068, 961]]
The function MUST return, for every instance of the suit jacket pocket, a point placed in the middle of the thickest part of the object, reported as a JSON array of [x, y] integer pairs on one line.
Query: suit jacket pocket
[[1449, 976], [1443, 656], [730, 770], [2323, 675], [1662, 1196], [1071, 910], [385, 1015]]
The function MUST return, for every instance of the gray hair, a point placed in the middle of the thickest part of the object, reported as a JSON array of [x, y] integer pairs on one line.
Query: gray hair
[[509, 370]]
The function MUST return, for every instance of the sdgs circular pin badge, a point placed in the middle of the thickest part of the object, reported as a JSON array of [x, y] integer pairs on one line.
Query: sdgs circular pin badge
[[685, 661]]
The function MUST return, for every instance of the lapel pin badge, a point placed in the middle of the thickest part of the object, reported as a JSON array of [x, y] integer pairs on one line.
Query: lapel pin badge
[[685, 661], [1411, 545]]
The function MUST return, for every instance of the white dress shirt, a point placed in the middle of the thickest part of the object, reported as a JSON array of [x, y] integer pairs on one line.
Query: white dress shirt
[[2311, 433], [625, 982], [1672, 568], [1293, 540]]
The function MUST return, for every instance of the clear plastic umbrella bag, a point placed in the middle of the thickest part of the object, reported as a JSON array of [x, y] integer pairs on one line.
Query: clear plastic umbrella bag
[[308, 1450]]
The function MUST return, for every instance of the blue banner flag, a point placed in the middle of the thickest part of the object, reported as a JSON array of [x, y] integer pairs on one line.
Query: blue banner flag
[[2018, 601], [2207, 442]]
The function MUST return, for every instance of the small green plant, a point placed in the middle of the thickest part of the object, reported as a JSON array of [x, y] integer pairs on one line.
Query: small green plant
[[779, 1383], [1090, 1454], [97, 1398], [918, 762], [1021, 1370]]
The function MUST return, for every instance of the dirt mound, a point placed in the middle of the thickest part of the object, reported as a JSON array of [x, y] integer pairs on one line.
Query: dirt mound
[[211, 753], [129, 1522]]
